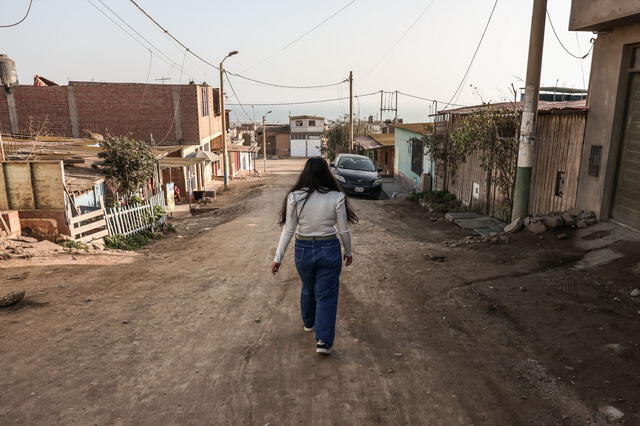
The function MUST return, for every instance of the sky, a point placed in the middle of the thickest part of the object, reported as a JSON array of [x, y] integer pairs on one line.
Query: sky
[[71, 40]]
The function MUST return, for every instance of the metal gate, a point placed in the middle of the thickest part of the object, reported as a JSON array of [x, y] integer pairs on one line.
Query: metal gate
[[626, 202]]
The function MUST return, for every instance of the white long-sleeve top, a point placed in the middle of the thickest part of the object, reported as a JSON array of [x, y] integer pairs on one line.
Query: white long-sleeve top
[[323, 214]]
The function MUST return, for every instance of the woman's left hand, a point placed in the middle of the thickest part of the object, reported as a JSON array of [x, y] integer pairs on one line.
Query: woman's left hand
[[274, 268]]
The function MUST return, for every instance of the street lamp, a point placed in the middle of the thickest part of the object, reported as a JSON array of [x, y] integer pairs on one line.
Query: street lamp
[[264, 141], [225, 153]]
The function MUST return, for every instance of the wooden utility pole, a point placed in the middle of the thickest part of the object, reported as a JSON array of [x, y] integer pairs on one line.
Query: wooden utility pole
[[529, 112], [264, 140], [351, 111]]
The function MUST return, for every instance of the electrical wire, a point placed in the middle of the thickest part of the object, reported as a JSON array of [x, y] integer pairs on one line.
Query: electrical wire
[[401, 37], [177, 107], [563, 46], [308, 102], [301, 36], [584, 84], [23, 18], [172, 63], [236, 96], [428, 99], [186, 48], [283, 86], [158, 50], [466, 74]]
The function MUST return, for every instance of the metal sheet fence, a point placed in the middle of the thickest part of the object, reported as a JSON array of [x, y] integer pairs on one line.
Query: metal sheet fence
[[127, 220]]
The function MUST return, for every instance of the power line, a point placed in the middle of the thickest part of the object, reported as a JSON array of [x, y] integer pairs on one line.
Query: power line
[[23, 18], [301, 36], [137, 32], [308, 102], [283, 86], [236, 96], [172, 63], [401, 37], [561, 44], [184, 46], [466, 74], [428, 99]]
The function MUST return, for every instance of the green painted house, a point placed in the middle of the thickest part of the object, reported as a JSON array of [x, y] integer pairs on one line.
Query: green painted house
[[412, 167]]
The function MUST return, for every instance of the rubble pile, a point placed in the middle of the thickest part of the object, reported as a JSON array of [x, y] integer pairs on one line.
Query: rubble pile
[[573, 218], [492, 238], [25, 248]]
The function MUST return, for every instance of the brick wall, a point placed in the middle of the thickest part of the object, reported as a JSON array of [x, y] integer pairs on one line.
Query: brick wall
[[132, 109], [37, 107], [212, 123]]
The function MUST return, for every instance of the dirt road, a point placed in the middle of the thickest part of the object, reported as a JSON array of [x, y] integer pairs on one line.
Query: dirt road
[[194, 330]]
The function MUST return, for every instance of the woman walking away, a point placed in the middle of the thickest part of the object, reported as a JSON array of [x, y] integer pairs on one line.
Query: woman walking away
[[316, 210]]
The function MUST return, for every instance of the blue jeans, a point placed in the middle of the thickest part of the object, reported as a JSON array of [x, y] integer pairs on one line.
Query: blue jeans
[[319, 263]]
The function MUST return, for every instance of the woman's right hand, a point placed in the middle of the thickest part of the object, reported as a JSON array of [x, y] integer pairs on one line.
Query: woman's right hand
[[348, 260], [275, 266]]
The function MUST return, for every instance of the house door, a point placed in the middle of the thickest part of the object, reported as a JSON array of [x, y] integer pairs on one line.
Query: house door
[[626, 201]]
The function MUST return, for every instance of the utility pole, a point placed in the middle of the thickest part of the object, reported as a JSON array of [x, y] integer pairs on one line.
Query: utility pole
[[395, 120], [529, 112], [225, 152], [351, 111], [264, 140]]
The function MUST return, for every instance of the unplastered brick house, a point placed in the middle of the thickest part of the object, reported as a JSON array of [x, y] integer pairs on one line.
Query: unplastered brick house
[[182, 119]]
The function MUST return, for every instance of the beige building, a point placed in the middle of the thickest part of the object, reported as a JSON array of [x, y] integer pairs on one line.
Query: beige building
[[609, 181]]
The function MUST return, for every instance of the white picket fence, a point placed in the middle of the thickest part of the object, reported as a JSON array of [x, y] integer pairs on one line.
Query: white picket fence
[[127, 220]]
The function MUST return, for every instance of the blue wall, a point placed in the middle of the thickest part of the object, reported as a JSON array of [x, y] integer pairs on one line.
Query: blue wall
[[402, 161], [92, 197]]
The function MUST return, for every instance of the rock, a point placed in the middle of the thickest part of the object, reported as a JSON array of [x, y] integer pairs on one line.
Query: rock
[[62, 238], [635, 292], [568, 219], [536, 228], [24, 239], [587, 215], [553, 221], [616, 348], [436, 257], [575, 212], [398, 354], [11, 298], [590, 221], [504, 239], [515, 226], [581, 224], [390, 370], [562, 236], [611, 413], [125, 322], [526, 221]]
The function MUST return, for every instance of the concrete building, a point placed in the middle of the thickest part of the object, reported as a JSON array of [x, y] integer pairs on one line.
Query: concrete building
[[306, 135], [412, 167], [610, 167], [184, 119]]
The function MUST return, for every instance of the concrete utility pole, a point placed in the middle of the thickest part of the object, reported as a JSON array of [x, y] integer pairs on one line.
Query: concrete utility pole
[[529, 112], [350, 111], [225, 152], [264, 140]]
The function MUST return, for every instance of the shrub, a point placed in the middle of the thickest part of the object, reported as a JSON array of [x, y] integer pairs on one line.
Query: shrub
[[131, 242], [72, 244]]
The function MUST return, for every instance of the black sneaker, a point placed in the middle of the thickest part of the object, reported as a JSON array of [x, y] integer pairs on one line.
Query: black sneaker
[[322, 348]]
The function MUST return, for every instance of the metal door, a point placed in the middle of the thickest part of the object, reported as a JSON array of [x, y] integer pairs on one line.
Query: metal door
[[626, 202]]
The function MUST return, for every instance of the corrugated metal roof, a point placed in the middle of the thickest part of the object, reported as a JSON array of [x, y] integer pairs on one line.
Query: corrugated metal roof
[[298, 117], [367, 142], [420, 128], [384, 139], [543, 106]]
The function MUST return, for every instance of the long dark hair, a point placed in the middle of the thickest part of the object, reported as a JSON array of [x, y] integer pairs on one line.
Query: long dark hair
[[316, 176]]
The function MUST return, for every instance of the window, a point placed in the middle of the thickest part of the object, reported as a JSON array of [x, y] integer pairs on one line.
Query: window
[[299, 123], [312, 122], [417, 155], [204, 99]]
